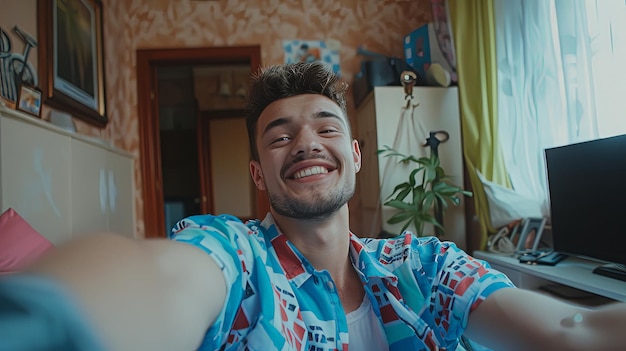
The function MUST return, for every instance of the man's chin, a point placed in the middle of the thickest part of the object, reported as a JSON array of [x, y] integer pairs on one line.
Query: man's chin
[[306, 214], [306, 211], [313, 205]]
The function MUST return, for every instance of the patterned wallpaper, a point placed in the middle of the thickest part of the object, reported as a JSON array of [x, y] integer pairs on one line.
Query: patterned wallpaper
[[377, 25]]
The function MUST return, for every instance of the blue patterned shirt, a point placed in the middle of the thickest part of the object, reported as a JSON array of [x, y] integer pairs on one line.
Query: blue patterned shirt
[[421, 289]]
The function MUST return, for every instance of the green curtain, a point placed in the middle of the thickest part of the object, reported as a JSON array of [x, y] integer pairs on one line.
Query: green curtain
[[473, 28]]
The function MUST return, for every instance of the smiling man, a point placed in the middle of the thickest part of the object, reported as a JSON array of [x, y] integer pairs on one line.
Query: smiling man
[[296, 280], [307, 152]]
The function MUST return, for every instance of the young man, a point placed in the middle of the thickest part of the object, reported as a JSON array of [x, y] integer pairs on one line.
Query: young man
[[298, 280]]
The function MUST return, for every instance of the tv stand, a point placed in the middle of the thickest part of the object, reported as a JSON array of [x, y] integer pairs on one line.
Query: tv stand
[[572, 272], [612, 270]]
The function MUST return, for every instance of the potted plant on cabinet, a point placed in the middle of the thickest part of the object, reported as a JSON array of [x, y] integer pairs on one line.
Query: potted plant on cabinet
[[424, 196]]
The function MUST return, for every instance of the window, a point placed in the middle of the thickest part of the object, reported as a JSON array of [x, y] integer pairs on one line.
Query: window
[[561, 79]]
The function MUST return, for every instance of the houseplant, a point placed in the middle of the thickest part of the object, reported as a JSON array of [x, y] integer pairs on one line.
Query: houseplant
[[424, 196]]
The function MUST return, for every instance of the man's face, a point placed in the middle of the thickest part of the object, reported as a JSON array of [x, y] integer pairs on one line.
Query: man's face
[[307, 158]]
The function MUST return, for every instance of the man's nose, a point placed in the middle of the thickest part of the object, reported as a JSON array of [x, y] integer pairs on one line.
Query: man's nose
[[307, 141]]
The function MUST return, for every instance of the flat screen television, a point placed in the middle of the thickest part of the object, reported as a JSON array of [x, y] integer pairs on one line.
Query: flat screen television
[[587, 187]]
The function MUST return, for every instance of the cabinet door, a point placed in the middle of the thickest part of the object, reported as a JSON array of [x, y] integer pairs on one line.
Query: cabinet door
[[89, 188], [121, 198], [438, 110], [102, 190], [35, 176]]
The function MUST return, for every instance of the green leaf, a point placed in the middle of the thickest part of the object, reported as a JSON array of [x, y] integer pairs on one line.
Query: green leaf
[[400, 189], [412, 180], [402, 195], [405, 226], [418, 194], [399, 205], [400, 217], [455, 200]]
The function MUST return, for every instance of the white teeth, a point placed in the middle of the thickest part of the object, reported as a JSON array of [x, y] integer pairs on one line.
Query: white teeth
[[309, 172]]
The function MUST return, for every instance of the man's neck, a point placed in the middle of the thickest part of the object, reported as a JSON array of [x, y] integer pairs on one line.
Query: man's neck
[[324, 243]]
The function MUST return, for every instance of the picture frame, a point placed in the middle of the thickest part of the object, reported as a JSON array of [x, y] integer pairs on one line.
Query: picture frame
[[530, 235], [7, 103], [71, 56], [29, 100]]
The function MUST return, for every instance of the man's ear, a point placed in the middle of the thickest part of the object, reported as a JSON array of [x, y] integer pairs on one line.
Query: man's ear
[[356, 154], [257, 175]]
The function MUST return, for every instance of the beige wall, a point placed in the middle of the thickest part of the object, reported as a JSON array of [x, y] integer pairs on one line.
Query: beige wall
[[21, 13], [378, 25], [232, 183]]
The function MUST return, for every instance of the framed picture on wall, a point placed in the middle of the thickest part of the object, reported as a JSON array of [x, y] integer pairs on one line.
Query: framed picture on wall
[[29, 100], [71, 54]]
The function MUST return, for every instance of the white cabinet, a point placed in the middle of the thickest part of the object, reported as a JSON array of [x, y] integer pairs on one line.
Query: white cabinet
[[89, 192], [120, 193], [63, 184], [102, 195], [34, 177], [378, 123]]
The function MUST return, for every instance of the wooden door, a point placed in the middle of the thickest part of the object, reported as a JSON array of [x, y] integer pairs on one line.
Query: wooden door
[[151, 177]]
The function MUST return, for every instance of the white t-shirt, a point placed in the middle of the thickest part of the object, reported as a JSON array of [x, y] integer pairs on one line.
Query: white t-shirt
[[365, 330]]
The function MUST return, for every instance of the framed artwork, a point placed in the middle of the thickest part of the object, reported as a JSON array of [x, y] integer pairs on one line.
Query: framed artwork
[[313, 50], [71, 54], [530, 235], [29, 100]]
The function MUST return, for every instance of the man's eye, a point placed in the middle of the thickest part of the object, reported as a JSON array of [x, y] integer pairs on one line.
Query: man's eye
[[330, 130], [278, 140]]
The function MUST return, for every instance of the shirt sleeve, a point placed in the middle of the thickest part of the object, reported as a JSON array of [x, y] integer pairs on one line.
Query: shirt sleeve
[[225, 239], [39, 313], [458, 284]]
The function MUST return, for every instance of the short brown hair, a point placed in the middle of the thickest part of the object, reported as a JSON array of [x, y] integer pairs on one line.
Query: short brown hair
[[282, 81]]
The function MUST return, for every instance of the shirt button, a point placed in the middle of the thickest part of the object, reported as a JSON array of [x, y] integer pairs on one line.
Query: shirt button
[[331, 286]]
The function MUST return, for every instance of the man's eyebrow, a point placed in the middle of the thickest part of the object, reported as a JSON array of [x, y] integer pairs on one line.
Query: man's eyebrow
[[275, 123], [327, 114]]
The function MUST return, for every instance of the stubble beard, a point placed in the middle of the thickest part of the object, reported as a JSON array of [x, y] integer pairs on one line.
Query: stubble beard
[[318, 206]]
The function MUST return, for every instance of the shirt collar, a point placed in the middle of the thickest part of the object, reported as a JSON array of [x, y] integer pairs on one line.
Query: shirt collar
[[298, 269], [365, 260]]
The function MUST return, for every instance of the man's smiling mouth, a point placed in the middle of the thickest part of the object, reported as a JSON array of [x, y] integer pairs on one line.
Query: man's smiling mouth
[[309, 172]]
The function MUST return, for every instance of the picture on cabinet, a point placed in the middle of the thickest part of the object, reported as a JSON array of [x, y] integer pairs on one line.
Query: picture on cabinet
[[29, 100], [530, 236], [7, 103]]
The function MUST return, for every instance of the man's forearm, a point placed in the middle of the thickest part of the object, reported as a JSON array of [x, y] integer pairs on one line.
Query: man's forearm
[[517, 319], [140, 294]]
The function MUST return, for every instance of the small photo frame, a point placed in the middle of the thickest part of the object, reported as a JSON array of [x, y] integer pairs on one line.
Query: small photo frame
[[29, 100], [530, 235], [7, 103]]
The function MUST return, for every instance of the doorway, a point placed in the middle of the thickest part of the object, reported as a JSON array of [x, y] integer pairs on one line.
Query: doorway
[[183, 153]]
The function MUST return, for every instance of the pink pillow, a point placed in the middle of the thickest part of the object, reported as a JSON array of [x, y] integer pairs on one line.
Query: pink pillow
[[20, 244]]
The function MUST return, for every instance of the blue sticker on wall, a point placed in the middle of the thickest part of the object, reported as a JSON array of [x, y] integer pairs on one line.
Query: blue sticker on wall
[[313, 50]]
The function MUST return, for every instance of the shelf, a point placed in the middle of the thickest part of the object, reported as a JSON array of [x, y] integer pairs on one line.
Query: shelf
[[572, 272]]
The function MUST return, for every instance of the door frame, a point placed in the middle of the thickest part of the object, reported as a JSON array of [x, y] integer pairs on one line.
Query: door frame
[[150, 154]]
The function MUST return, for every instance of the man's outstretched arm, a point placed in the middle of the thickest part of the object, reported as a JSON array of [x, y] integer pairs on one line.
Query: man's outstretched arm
[[517, 319], [140, 294]]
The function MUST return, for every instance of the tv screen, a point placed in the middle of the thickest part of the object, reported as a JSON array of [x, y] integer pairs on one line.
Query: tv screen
[[587, 185]]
